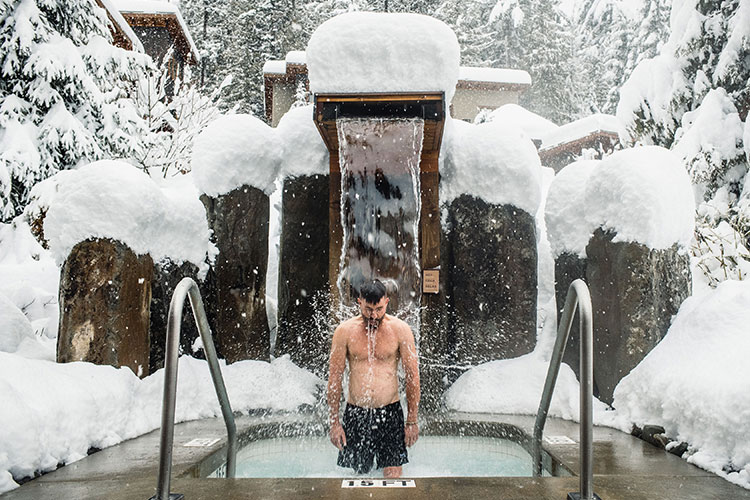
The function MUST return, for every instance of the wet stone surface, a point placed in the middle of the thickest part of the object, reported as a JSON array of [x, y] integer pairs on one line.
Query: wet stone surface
[[635, 291], [492, 280], [105, 292]]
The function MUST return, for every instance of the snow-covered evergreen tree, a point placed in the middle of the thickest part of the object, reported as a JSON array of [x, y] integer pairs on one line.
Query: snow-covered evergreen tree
[[64, 93], [693, 97], [210, 28], [261, 30], [604, 37]]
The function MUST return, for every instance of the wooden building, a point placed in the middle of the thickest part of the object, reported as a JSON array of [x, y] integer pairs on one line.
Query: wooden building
[[153, 26], [593, 137]]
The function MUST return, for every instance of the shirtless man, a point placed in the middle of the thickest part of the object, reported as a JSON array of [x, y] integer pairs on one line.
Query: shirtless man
[[373, 426]]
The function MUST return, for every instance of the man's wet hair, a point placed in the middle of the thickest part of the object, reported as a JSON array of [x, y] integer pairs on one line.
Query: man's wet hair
[[372, 291]]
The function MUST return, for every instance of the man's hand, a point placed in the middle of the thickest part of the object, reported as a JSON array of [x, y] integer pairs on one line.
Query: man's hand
[[411, 432], [338, 437]]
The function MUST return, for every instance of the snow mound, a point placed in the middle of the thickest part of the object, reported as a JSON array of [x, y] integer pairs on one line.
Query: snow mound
[[113, 199], [53, 413], [643, 194], [304, 152], [14, 326], [534, 125], [691, 383], [361, 52], [234, 151], [565, 207], [492, 161], [514, 386]]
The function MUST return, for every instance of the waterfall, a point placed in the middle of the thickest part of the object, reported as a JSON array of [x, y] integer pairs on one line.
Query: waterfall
[[380, 209]]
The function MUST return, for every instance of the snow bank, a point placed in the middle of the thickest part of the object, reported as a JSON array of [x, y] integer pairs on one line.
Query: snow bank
[[644, 195], [693, 382], [492, 161], [53, 413], [234, 151], [29, 278], [565, 209], [14, 326], [376, 52], [532, 124], [514, 386], [112, 199], [304, 152]]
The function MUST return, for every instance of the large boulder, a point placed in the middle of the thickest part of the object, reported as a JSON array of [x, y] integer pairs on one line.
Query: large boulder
[[239, 220], [635, 291], [493, 274], [105, 292], [167, 275], [303, 293]]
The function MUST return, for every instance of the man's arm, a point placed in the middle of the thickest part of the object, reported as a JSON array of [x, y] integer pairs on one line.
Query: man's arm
[[410, 362], [336, 368]]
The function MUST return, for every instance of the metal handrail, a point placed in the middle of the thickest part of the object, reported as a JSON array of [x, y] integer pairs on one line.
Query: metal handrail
[[188, 287], [578, 295]]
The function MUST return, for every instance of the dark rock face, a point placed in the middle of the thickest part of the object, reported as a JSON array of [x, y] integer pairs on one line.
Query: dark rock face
[[568, 268], [635, 291], [239, 220], [303, 294], [105, 291], [493, 275], [167, 275], [436, 339]]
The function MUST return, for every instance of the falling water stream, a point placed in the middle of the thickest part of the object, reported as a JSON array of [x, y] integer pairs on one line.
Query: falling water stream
[[380, 208]]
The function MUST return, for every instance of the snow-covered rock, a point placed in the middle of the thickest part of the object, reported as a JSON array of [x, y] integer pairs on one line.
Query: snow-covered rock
[[644, 195], [565, 209], [493, 161], [234, 151], [304, 152], [112, 199], [361, 52]]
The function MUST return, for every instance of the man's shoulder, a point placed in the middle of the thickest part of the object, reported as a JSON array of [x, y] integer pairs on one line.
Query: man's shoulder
[[399, 325], [348, 325]]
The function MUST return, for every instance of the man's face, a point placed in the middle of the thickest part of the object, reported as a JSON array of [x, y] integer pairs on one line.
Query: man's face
[[373, 314]]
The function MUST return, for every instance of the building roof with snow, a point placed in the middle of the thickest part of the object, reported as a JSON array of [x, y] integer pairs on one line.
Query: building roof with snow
[[122, 34], [148, 16], [598, 133]]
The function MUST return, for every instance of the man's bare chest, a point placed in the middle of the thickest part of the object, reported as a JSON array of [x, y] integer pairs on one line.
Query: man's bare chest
[[383, 346]]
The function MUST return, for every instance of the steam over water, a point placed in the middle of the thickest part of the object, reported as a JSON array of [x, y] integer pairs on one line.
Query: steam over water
[[380, 208]]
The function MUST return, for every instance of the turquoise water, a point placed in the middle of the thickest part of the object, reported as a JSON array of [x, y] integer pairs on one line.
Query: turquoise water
[[431, 456]]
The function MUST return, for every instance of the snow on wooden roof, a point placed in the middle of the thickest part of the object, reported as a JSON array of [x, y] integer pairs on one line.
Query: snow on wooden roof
[[497, 76], [579, 129], [121, 25], [159, 8]]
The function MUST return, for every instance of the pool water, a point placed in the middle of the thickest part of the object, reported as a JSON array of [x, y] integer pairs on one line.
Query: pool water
[[431, 456]]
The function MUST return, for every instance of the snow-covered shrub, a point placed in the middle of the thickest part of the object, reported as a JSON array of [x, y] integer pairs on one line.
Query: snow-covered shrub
[[174, 120]]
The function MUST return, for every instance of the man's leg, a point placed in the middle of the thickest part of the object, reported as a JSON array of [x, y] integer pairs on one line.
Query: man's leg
[[392, 472]]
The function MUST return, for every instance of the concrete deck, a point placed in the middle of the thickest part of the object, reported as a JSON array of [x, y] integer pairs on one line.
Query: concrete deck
[[625, 468]]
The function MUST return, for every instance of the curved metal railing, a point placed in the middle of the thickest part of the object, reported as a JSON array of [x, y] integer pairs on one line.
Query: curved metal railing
[[578, 295], [188, 287]]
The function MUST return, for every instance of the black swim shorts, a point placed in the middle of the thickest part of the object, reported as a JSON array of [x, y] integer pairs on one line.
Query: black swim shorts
[[373, 433]]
